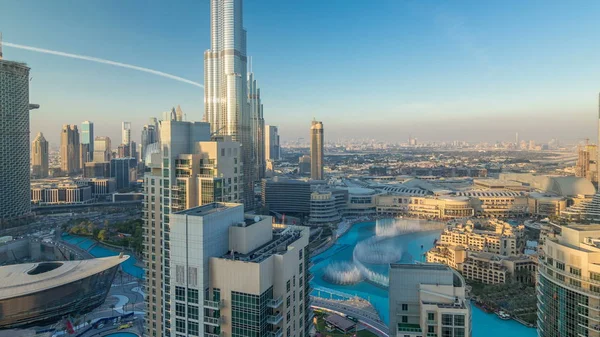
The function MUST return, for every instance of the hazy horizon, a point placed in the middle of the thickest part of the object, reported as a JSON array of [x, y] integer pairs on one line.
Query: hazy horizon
[[463, 71]]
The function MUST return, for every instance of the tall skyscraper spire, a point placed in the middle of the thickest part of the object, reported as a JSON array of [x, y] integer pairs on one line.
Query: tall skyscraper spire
[[225, 84]]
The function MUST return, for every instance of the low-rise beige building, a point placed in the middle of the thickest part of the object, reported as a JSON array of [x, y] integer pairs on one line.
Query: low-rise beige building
[[451, 256], [502, 241], [485, 267], [443, 207]]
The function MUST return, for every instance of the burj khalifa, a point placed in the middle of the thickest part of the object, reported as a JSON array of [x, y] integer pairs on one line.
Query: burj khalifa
[[225, 85]]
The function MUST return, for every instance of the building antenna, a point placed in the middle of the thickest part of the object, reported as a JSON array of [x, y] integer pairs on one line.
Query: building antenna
[[0, 45]]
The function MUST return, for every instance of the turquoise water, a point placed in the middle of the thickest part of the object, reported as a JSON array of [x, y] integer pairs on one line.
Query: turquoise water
[[122, 334], [414, 246], [99, 251]]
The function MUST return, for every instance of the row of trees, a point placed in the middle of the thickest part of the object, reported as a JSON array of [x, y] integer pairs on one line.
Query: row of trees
[[110, 233]]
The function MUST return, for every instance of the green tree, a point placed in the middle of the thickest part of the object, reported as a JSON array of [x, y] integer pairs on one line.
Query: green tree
[[102, 235]]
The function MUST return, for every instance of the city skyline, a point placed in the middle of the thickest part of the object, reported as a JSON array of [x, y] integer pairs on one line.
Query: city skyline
[[485, 73]]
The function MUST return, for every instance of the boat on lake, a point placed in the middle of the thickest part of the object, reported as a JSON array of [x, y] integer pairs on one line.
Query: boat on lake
[[502, 315]]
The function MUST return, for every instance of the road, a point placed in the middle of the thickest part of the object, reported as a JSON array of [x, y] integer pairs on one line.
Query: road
[[367, 318]]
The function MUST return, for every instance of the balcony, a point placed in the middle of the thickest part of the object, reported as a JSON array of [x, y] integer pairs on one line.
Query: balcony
[[215, 305], [275, 303], [208, 334], [275, 319], [276, 333], [212, 321], [405, 327]]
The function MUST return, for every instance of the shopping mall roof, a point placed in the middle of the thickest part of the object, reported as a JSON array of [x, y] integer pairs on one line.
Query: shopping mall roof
[[27, 278]]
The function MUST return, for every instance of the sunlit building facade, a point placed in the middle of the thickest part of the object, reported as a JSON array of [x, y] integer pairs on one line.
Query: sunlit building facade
[[226, 85], [568, 287]]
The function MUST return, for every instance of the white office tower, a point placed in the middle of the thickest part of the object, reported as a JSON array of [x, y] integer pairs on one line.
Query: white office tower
[[102, 149], [258, 127], [126, 133], [237, 275], [225, 84], [272, 147], [185, 169], [428, 300]]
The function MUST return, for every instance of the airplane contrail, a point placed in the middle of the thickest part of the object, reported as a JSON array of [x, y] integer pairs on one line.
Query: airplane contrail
[[99, 60]]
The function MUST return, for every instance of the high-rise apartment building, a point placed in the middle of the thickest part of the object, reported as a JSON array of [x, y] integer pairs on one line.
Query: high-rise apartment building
[[149, 136], [304, 165], [428, 300], [568, 287], [587, 162], [316, 150], [39, 157], [84, 154], [126, 133], [272, 147], [124, 170], [258, 128], [87, 137], [225, 85], [14, 140], [123, 151], [69, 149], [189, 170], [102, 149], [237, 275]]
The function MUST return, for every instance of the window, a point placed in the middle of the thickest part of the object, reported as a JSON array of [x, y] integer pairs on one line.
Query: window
[[560, 265], [300, 268], [430, 316], [193, 296], [431, 329], [446, 320], [595, 276], [404, 319], [288, 285], [180, 325], [404, 307], [180, 294], [459, 332], [446, 332], [289, 301], [179, 309], [459, 320], [193, 328], [193, 312]]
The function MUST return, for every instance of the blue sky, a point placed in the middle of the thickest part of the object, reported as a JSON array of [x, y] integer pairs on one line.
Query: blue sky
[[439, 70]]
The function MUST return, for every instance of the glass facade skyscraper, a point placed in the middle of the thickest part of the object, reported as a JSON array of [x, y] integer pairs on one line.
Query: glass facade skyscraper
[[226, 87], [14, 141], [87, 137]]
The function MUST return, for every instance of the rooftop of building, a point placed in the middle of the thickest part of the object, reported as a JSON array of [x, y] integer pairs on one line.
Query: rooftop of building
[[425, 266], [489, 193], [457, 279], [208, 209], [283, 237], [27, 278]]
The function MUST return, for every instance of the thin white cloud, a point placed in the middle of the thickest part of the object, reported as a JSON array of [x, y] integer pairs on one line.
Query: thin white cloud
[[103, 61]]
